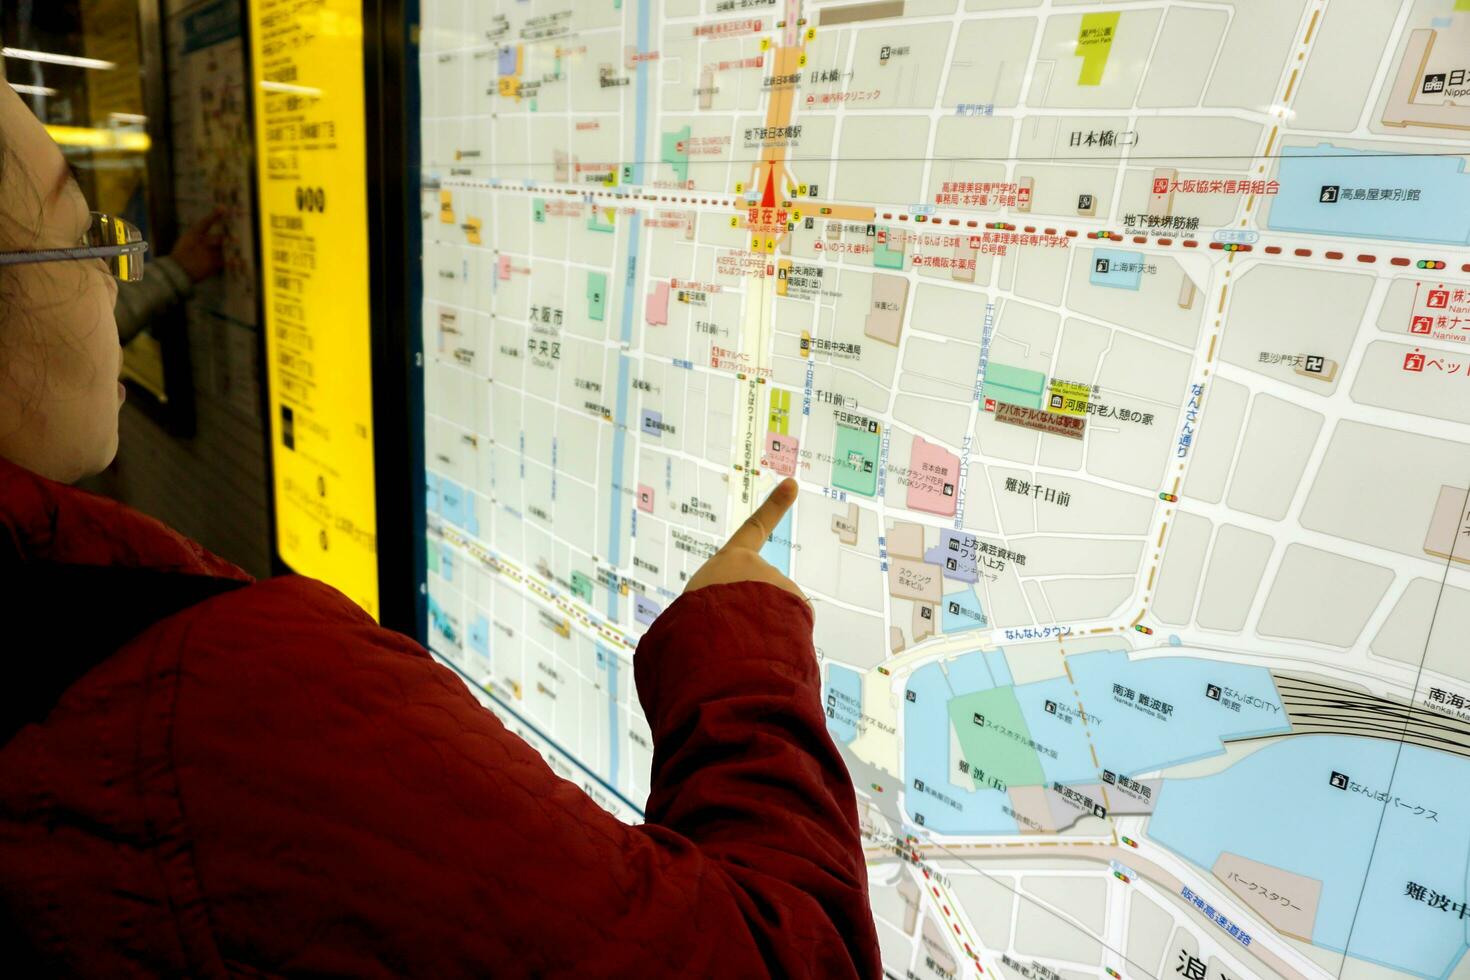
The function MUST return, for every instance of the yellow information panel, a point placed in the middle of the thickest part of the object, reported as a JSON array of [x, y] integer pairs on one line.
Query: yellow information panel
[[308, 76]]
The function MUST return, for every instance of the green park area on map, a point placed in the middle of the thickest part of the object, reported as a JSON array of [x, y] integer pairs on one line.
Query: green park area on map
[[993, 737]]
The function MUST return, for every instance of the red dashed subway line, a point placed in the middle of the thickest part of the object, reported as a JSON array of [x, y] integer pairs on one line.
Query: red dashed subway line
[[739, 205]]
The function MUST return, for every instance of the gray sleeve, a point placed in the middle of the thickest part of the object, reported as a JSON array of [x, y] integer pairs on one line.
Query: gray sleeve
[[163, 285]]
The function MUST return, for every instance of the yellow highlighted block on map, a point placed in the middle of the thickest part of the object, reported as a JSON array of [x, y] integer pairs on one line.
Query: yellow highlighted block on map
[[446, 207], [1068, 398], [780, 411], [472, 231], [783, 271], [1094, 44]]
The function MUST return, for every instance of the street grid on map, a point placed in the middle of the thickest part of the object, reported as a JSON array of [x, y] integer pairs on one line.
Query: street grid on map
[[1116, 351]]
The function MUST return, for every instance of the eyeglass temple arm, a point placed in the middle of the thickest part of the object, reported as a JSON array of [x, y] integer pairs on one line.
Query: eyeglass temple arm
[[58, 254]]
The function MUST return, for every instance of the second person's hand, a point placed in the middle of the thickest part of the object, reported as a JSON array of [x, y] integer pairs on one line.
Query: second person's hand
[[739, 560], [199, 250]]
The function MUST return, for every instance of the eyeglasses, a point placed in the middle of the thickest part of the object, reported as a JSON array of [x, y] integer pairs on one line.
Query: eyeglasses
[[117, 241]]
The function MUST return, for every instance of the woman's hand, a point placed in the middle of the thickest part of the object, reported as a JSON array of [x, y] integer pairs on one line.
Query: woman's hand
[[739, 560]]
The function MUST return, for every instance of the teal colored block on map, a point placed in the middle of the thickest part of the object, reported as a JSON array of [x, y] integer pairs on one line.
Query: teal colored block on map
[[581, 586], [1116, 269], [844, 700], [1337, 190], [855, 461], [538, 210], [885, 257], [480, 636], [596, 295], [962, 612], [676, 152], [777, 549], [1013, 385]]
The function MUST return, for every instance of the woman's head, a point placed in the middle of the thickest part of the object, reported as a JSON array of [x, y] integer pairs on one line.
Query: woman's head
[[59, 353]]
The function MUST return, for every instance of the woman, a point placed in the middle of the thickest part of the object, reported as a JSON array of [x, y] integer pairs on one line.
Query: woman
[[202, 775]]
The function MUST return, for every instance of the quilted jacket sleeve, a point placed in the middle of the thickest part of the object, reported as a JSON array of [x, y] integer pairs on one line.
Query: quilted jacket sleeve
[[164, 284], [346, 807]]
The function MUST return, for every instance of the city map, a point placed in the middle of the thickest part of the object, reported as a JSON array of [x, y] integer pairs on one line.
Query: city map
[[1121, 352]]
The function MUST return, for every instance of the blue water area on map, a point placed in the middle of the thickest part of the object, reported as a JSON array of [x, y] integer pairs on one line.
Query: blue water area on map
[[1279, 806], [1129, 739], [440, 623], [777, 549], [480, 636], [1116, 269], [608, 661], [979, 671], [957, 554], [452, 502], [842, 700], [620, 412], [926, 738], [962, 612], [1441, 214], [640, 116]]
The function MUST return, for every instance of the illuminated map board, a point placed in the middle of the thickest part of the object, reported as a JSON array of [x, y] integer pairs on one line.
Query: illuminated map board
[[1120, 356], [308, 84]]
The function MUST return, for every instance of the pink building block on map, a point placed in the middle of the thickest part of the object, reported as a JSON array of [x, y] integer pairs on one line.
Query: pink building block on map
[[504, 270], [780, 453], [645, 498], [934, 478], [657, 308]]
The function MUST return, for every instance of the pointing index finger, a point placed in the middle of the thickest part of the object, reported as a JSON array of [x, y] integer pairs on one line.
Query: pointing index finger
[[758, 526]]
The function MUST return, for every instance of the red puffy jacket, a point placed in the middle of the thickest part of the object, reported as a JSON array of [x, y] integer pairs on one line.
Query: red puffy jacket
[[268, 783]]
